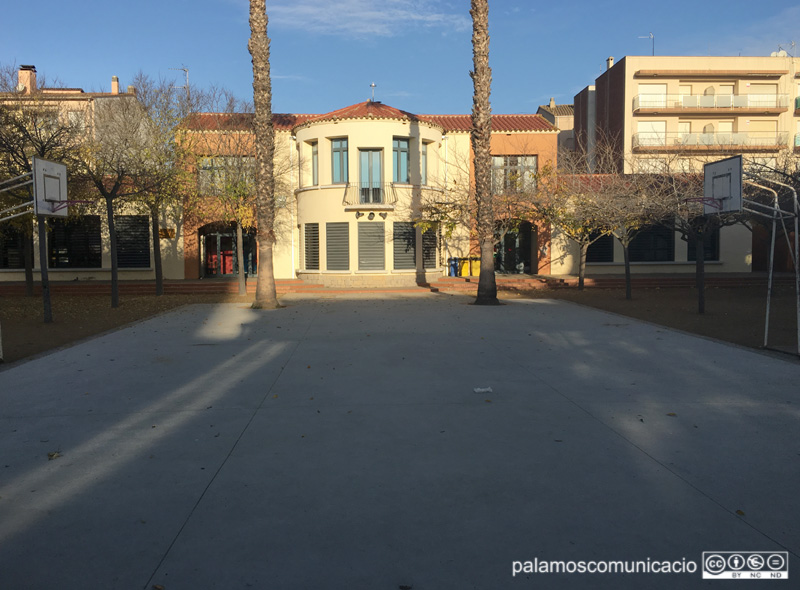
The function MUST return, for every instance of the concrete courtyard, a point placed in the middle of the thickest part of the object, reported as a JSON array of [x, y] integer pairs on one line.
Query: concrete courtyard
[[340, 444]]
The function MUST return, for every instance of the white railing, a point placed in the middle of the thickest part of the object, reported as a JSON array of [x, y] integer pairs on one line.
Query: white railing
[[714, 101], [688, 141]]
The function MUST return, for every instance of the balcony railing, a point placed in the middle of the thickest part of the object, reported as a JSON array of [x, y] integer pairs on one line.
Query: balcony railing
[[358, 194], [650, 141], [725, 102]]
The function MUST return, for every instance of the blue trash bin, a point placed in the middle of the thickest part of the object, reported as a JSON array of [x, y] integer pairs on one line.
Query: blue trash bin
[[453, 262]]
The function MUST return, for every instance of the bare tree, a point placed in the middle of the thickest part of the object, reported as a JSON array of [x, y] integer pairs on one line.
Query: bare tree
[[166, 181], [266, 294], [115, 159], [481, 134]]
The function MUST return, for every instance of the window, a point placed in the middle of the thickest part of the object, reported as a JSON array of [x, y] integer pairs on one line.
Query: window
[[339, 166], [405, 245], [314, 163], [429, 240], [337, 239], [371, 246], [710, 247], [400, 155], [651, 133], [74, 243], [133, 241], [514, 173], [312, 246], [653, 244], [652, 95], [423, 164], [370, 170], [229, 175], [602, 250], [12, 247]]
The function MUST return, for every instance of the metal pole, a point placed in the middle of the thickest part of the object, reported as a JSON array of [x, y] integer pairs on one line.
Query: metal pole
[[48, 310], [771, 255]]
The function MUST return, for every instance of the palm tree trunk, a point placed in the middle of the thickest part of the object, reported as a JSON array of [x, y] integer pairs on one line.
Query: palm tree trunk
[[481, 147], [266, 295]]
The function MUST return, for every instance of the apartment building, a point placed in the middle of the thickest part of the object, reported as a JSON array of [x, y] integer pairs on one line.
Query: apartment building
[[667, 113], [662, 112], [562, 117]]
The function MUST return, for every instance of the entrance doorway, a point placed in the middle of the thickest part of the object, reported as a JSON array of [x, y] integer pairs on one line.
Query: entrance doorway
[[218, 254], [515, 252]]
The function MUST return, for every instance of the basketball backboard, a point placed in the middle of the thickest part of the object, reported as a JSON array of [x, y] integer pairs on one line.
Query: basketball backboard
[[49, 188], [723, 186]]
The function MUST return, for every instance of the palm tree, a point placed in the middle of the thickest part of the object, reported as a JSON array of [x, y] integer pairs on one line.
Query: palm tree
[[482, 159], [266, 296]]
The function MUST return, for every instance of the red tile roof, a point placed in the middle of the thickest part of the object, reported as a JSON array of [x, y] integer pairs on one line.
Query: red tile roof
[[368, 110], [241, 121], [500, 123]]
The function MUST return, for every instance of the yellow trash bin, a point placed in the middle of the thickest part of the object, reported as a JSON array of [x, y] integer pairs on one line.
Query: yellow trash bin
[[469, 267]]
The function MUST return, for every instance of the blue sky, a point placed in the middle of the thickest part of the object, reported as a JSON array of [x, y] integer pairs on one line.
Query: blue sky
[[325, 54]]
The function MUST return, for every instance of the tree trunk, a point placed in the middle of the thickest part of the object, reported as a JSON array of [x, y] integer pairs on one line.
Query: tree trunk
[[266, 295], [27, 253], [240, 258], [481, 135], [112, 234], [582, 265], [700, 271], [48, 309], [627, 254], [157, 250]]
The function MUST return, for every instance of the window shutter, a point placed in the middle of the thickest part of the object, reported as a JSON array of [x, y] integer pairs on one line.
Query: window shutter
[[337, 237], [429, 249], [133, 241], [312, 246], [371, 246], [405, 245]]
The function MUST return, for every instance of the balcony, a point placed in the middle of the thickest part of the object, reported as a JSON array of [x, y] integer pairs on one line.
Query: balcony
[[371, 195], [797, 106], [709, 142], [770, 104]]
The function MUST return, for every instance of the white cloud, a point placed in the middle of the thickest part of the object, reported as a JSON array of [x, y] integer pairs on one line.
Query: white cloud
[[364, 18]]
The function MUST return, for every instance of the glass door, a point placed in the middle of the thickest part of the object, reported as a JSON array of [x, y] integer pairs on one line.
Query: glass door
[[370, 180]]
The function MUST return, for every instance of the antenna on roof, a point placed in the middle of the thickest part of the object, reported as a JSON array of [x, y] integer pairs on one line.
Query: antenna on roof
[[185, 70], [652, 38], [373, 86]]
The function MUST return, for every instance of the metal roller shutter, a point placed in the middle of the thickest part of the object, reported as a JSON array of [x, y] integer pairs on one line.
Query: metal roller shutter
[[337, 238], [405, 245], [312, 246], [371, 246]]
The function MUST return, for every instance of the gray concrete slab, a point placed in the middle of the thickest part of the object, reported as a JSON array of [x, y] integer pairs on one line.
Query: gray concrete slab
[[340, 444]]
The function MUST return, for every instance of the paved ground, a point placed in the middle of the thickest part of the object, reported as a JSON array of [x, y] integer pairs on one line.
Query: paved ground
[[340, 444]]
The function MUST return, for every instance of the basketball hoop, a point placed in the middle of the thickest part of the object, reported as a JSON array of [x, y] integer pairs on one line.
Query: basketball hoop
[[708, 204]]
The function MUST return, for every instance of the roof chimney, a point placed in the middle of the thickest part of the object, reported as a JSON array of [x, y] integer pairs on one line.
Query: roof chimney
[[114, 85], [609, 63], [132, 90], [26, 79], [552, 103]]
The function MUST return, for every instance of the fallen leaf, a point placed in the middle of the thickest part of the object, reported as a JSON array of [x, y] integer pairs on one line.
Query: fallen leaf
[[740, 513], [672, 414], [53, 455]]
